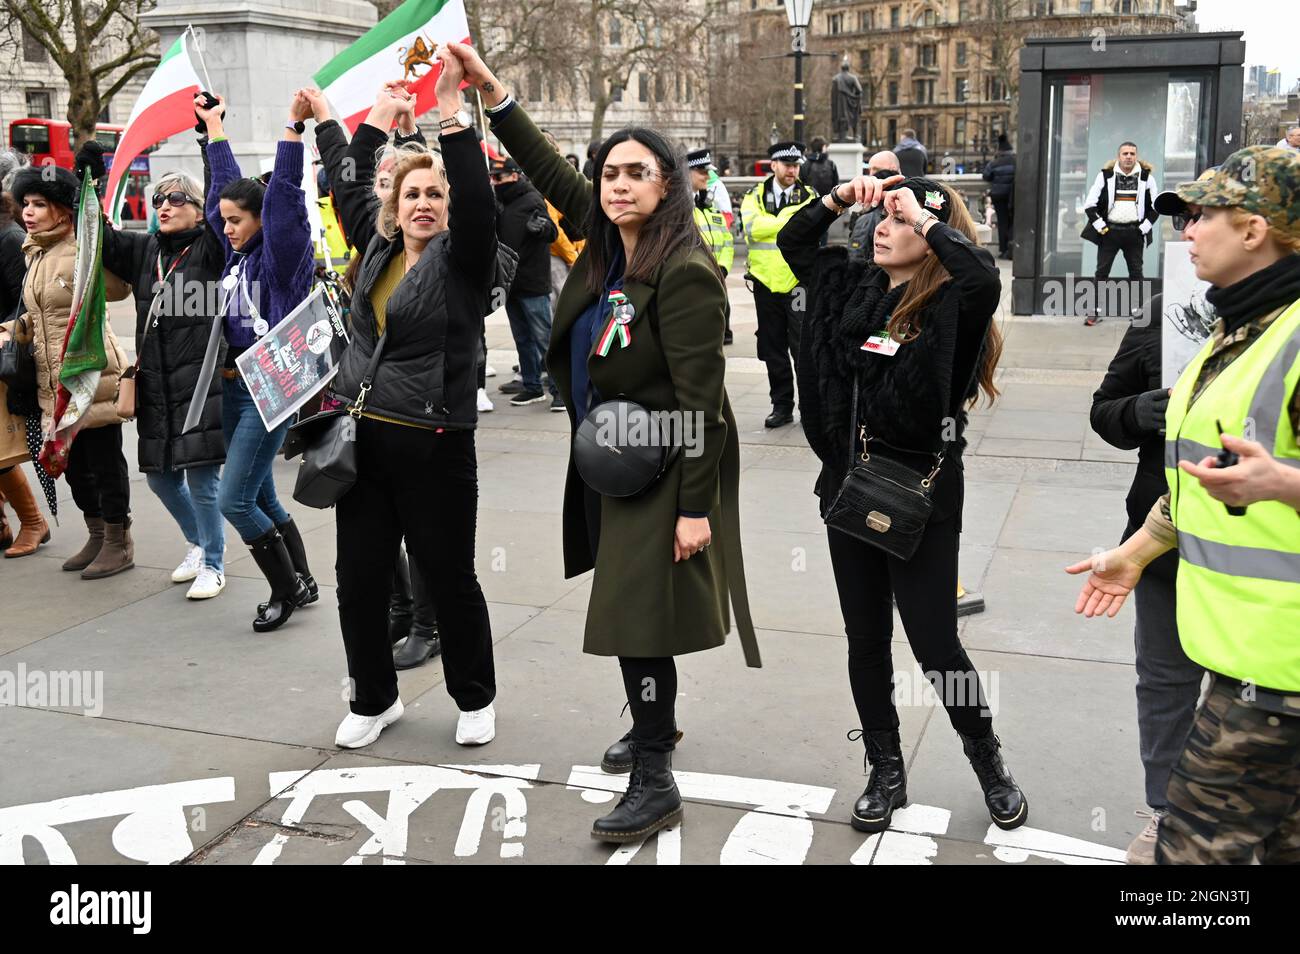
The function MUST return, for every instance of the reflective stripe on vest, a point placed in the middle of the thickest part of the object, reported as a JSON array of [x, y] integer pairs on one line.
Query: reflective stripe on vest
[[764, 261], [1238, 590]]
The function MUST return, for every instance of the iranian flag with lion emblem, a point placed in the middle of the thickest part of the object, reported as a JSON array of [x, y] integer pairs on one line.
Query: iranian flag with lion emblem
[[399, 47]]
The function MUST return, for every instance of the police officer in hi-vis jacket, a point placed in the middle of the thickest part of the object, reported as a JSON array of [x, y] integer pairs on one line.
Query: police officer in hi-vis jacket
[[764, 210]]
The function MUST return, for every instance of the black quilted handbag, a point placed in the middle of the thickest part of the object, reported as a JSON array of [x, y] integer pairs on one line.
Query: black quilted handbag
[[329, 458], [882, 502]]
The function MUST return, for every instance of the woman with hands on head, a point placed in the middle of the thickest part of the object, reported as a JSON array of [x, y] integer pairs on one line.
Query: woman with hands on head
[[262, 282], [914, 333], [660, 588], [425, 281]]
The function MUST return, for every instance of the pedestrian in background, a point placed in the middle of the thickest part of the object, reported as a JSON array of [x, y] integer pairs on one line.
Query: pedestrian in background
[[1001, 176], [862, 226], [913, 160], [1120, 213]]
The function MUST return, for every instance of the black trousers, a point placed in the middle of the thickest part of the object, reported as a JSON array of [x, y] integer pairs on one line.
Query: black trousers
[[925, 589], [1006, 221], [1121, 238], [423, 486], [778, 341], [97, 474], [650, 682]]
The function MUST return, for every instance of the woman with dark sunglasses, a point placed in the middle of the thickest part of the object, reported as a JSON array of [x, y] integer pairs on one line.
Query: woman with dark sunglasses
[[173, 274], [262, 282]]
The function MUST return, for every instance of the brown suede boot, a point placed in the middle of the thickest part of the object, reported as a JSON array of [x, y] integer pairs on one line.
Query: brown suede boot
[[118, 553], [6, 535], [34, 530], [86, 555]]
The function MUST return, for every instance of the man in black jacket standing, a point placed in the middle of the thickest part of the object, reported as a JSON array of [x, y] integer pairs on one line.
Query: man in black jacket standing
[[1128, 411], [1000, 174], [524, 226]]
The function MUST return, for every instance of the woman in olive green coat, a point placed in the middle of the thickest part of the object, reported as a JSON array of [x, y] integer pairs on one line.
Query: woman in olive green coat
[[660, 589]]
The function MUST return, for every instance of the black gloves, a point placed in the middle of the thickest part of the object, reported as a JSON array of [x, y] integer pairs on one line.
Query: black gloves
[[209, 101], [1149, 411], [89, 156]]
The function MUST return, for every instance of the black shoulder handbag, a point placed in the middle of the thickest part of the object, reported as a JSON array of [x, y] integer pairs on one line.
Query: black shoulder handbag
[[621, 449], [17, 360], [883, 502], [329, 441]]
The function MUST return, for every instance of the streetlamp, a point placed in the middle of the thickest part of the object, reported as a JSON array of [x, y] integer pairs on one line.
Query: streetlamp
[[799, 13]]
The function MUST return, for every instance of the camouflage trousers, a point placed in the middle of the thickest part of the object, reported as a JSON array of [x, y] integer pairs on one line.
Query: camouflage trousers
[[1234, 796]]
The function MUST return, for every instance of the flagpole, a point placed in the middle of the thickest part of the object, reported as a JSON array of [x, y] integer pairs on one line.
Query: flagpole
[[482, 125], [198, 49]]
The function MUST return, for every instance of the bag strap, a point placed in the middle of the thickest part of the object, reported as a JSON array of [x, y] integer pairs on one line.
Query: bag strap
[[858, 432], [367, 379]]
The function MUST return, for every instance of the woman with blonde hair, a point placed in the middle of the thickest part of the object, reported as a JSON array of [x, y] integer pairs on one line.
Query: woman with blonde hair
[[912, 338], [409, 373]]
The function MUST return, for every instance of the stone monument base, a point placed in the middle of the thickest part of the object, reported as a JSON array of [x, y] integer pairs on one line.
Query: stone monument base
[[848, 158]]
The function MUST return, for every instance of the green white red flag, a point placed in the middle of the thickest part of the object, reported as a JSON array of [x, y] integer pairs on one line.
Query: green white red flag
[[399, 47], [85, 350], [165, 108]]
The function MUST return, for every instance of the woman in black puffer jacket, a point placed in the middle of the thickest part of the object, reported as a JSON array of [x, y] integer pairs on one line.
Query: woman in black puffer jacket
[[175, 276], [916, 331], [424, 284]]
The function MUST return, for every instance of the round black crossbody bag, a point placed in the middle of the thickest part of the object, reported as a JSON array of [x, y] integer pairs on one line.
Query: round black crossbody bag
[[621, 449]]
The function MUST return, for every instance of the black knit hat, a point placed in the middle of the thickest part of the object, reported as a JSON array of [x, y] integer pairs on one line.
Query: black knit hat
[[929, 195], [54, 183]]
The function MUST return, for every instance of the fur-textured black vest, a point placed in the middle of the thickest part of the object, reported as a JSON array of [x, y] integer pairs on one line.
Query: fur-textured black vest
[[905, 400]]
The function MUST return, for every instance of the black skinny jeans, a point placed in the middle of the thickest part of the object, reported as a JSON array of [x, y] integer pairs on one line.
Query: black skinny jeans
[[925, 588], [650, 682], [421, 485], [98, 475]]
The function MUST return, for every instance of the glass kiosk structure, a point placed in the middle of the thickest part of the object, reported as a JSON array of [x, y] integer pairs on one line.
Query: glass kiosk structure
[[1177, 96]]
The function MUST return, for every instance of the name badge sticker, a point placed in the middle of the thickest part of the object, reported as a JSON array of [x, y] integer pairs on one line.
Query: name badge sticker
[[881, 343]]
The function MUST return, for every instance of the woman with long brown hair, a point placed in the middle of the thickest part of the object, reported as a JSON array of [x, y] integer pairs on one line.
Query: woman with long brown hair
[[914, 333]]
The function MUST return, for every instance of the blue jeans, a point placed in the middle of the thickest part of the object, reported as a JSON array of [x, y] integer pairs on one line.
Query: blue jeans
[[248, 497], [530, 323], [194, 508]]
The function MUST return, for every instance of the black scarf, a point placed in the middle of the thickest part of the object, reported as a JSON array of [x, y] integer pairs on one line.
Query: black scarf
[[171, 244], [1258, 293]]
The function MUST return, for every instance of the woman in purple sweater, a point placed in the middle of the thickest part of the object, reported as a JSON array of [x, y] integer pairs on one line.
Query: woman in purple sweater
[[262, 282]]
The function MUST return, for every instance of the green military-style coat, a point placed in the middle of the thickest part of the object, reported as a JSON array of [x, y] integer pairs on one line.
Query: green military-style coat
[[642, 603]]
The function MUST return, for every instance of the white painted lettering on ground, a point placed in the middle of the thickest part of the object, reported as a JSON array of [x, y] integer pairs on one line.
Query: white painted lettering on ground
[[155, 829], [408, 787]]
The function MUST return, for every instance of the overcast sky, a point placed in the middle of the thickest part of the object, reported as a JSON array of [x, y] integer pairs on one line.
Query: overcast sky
[[1272, 30]]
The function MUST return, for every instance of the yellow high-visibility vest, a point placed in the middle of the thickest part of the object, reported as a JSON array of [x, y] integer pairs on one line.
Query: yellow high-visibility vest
[[1239, 576]]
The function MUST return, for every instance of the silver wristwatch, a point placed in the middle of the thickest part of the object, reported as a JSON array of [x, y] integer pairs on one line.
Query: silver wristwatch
[[925, 216], [460, 118]]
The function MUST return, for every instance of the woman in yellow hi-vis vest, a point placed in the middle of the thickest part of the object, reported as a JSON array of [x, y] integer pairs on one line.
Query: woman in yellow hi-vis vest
[[1233, 512]]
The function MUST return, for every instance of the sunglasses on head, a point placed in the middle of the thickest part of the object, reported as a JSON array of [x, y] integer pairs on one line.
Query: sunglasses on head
[[174, 199]]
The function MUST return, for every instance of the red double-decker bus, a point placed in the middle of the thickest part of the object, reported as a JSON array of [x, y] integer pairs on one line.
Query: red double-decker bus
[[51, 140]]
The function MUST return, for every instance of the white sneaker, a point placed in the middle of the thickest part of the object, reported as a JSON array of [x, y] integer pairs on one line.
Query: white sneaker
[[478, 727], [489, 372], [189, 567], [357, 731], [206, 585], [484, 402]]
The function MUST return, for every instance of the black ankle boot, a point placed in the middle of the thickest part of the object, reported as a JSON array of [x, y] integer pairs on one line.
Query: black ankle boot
[[401, 600], [298, 556], [418, 648], [887, 787], [651, 801], [1007, 804], [287, 588], [618, 757]]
